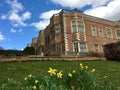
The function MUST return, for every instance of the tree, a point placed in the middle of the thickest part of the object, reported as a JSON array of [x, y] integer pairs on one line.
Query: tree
[[29, 50]]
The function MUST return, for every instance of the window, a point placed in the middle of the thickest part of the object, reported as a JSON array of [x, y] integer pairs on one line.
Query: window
[[74, 26], [94, 33], [118, 34], [109, 33], [76, 47], [80, 26], [100, 30], [77, 26], [96, 47], [57, 47], [82, 47], [57, 29], [47, 40]]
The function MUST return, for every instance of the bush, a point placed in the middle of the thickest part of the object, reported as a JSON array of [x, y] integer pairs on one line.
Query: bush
[[112, 51]]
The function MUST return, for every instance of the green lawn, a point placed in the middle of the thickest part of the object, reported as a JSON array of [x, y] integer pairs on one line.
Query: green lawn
[[18, 71]]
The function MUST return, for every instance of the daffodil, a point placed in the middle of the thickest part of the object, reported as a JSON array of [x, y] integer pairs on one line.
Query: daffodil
[[25, 78], [52, 71], [30, 75], [69, 74], [34, 87], [86, 67], [73, 71], [36, 81], [59, 75], [93, 70], [81, 66]]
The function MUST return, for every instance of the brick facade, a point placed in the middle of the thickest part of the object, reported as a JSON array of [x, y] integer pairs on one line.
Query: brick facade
[[72, 32]]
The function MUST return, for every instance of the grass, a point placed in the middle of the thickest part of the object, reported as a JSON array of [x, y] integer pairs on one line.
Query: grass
[[18, 70]]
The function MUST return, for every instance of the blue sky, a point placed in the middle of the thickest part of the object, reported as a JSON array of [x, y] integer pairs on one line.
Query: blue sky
[[21, 20]]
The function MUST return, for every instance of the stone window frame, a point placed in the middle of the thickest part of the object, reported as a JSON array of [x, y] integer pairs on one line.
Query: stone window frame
[[83, 48], [57, 47], [79, 47], [76, 26], [57, 27], [116, 34], [96, 50], [110, 33], [99, 33], [74, 49], [93, 27]]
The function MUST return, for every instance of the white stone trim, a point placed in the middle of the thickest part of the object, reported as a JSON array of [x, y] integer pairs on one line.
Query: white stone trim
[[65, 35]]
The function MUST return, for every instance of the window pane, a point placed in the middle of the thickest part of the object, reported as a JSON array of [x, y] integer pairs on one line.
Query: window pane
[[100, 32], [74, 26], [57, 47], [80, 26], [96, 48], [83, 47], [94, 33], [76, 47], [109, 33], [57, 29]]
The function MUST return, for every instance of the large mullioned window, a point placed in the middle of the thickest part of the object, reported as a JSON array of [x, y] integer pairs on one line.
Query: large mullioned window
[[80, 47], [77, 26]]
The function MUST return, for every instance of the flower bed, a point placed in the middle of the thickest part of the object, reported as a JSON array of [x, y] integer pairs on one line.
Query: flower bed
[[82, 78]]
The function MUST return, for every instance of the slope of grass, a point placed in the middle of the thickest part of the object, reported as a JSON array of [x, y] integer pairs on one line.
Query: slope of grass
[[18, 70]]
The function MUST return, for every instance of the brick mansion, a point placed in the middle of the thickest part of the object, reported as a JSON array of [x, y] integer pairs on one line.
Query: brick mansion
[[71, 32]]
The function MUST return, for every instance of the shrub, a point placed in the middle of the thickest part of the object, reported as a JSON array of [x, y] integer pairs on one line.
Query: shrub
[[112, 51]]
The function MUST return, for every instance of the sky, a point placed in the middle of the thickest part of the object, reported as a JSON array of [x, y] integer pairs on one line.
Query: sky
[[21, 20]]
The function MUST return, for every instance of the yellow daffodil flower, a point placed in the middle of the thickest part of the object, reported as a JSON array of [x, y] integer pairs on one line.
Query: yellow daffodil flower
[[73, 71], [93, 70], [30, 75], [86, 67], [25, 78], [81, 66], [36, 81], [34, 87], [69, 74], [52, 71], [59, 75]]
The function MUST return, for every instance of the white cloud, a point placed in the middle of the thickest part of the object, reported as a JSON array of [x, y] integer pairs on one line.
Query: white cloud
[[107, 9], [18, 20], [4, 17], [44, 19], [26, 15], [13, 30], [15, 5], [80, 3], [111, 11], [41, 24], [1, 36], [14, 15], [20, 30]]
